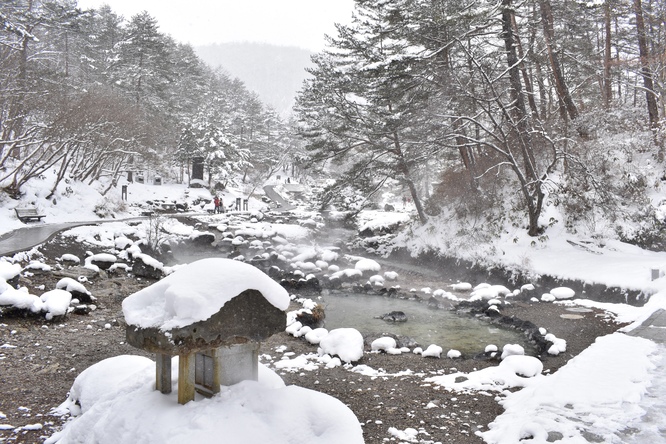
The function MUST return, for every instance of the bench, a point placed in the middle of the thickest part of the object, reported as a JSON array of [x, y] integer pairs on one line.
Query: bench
[[28, 214]]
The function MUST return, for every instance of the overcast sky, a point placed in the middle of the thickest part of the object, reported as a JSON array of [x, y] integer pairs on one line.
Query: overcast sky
[[300, 23]]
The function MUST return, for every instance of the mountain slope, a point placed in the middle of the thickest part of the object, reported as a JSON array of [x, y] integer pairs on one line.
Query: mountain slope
[[275, 73]]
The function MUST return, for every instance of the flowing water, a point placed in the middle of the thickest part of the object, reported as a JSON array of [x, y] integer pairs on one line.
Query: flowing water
[[425, 325]]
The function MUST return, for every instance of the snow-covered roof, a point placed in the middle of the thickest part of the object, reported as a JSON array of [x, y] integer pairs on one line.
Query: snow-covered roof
[[197, 291]]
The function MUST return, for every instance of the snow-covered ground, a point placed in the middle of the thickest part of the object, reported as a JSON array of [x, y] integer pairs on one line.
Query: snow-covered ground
[[612, 392]]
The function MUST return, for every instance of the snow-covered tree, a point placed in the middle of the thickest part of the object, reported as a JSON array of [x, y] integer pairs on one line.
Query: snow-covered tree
[[364, 107]]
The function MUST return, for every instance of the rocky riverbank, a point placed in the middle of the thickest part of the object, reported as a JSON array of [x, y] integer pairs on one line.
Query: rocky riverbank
[[39, 361]]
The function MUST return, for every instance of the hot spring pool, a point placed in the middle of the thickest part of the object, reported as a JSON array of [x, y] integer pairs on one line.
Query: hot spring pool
[[425, 325]]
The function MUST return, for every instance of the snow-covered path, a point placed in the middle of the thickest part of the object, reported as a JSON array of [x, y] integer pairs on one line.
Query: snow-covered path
[[652, 428]]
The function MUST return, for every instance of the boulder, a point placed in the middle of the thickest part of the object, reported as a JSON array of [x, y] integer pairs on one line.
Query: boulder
[[202, 239], [146, 270], [394, 316]]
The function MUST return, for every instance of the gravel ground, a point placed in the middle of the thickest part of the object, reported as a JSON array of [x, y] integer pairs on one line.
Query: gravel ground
[[39, 361]]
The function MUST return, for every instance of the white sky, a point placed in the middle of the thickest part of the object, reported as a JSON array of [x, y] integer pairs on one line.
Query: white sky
[[301, 23]]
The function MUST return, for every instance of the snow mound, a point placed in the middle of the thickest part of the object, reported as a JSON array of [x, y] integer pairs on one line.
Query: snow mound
[[562, 293], [433, 351], [511, 350], [461, 286], [347, 343], [453, 354], [384, 343], [55, 303], [315, 336], [119, 405], [69, 284], [367, 265], [8, 270]]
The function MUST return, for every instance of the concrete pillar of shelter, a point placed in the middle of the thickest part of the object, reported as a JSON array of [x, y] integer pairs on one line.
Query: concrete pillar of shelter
[[163, 373], [238, 363], [186, 378]]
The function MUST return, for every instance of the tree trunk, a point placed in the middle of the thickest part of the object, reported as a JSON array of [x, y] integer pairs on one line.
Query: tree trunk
[[417, 201], [607, 84], [530, 183], [466, 155], [646, 72], [526, 78], [518, 108], [407, 177], [549, 35]]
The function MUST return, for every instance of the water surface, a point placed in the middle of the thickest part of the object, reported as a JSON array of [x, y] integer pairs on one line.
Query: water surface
[[425, 325]]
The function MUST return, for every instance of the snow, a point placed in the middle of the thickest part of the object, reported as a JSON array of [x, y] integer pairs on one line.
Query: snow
[[511, 350], [20, 299], [197, 291], [69, 284], [391, 275], [595, 394], [510, 373], [559, 345], [115, 402], [55, 303], [461, 286], [8, 270], [453, 354], [487, 291], [348, 272], [433, 351], [384, 343], [409, 434], [103, 257], [150, 261], [315, 336], [70, 258], [562, 293], [367, 265], [346, 343]]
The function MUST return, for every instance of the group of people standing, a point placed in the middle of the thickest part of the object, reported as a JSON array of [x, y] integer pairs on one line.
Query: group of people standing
[[219, 205]]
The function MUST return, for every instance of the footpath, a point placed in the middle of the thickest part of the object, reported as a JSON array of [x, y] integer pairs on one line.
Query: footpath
[[653, 328], [27, 237]]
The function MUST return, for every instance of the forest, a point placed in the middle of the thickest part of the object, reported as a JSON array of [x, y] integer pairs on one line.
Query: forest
[[481, 114], [92, 95], [487, 114]]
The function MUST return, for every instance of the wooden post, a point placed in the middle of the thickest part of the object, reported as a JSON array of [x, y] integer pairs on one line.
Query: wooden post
[[186, 378], [217, 373], [163, 373]]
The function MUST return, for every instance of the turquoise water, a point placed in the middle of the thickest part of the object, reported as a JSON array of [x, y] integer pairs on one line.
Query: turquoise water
[[425, 325]]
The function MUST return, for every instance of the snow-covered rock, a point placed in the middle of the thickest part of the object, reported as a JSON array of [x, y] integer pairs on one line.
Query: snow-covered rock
[[433, 351], [512, 349], [383, 344], [563, 293], [347, 343]]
